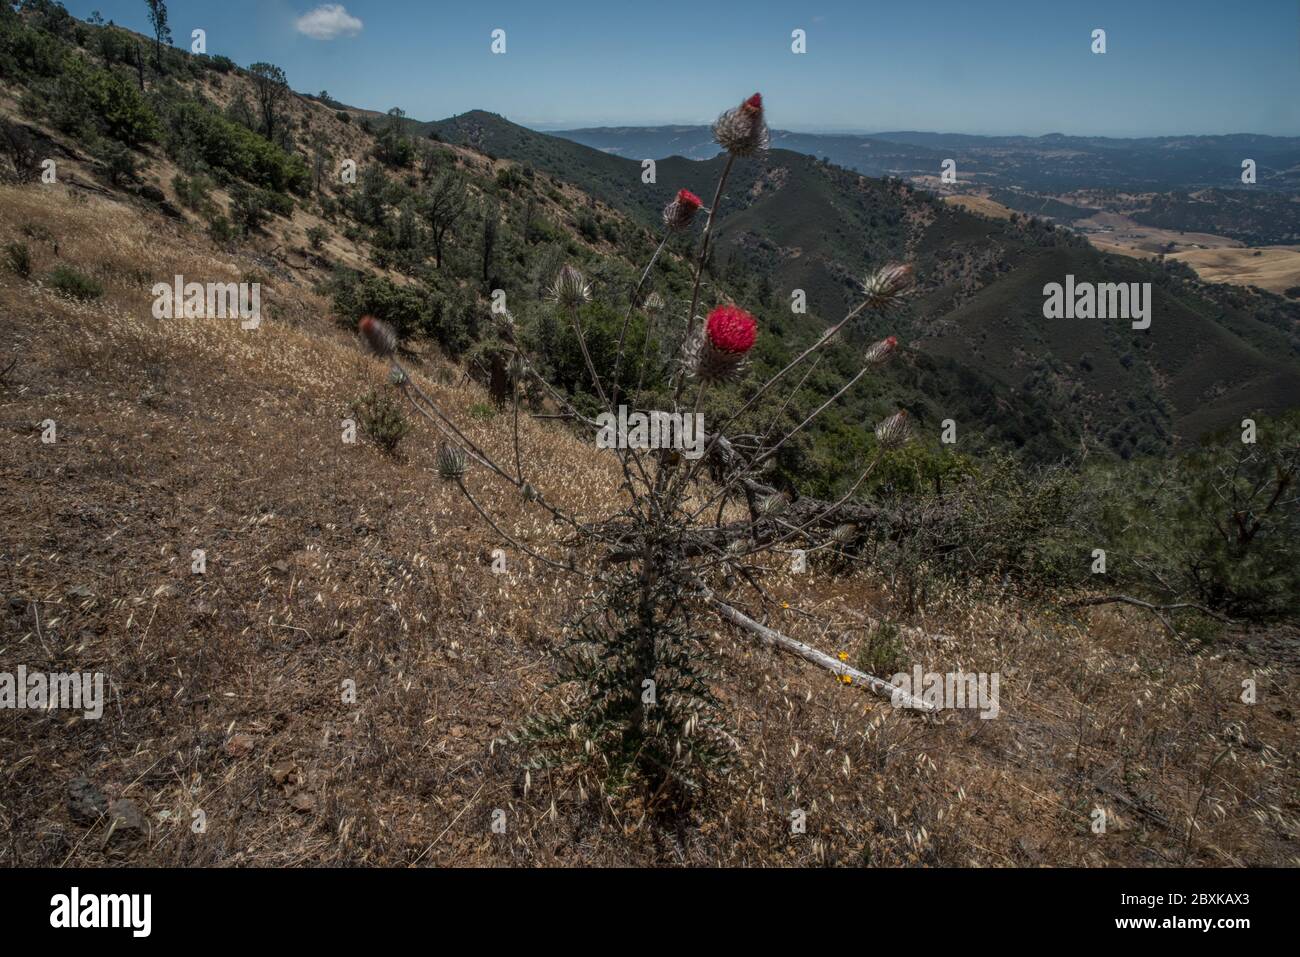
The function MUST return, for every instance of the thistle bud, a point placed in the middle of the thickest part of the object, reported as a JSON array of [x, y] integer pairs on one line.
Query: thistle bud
[[570, 290], [843, 534], [886, 287], [378, 335], [451, 463], [742, 131], [894, 431], [517, 368], [881, 351], [770, 506], [681, 211]]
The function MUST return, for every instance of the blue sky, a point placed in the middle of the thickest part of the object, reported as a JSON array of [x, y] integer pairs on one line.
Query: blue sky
[[975, 66]]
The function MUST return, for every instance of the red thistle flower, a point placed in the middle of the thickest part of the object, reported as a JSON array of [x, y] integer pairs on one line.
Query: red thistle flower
[[679, 213], [755, 102], [731, 329], [378, 335]]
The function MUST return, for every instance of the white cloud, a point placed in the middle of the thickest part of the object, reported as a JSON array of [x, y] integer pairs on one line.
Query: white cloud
[[328, 21]]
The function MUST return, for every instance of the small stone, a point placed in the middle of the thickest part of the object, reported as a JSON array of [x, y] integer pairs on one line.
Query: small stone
[[86, 803], [240, 745], [79, 593], [125, 817]]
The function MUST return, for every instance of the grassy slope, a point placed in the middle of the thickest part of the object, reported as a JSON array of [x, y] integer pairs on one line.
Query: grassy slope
[[327, 562]]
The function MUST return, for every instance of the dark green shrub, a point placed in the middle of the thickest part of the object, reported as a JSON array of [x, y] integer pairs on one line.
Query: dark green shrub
[[19, 258], [226, 145], [221, 232], [1217, 526], [119, 162], [26, 52], [109, 99], [277, 203], [248, 209], [883, 654], [380, 417], [75, 285], [192, 192]]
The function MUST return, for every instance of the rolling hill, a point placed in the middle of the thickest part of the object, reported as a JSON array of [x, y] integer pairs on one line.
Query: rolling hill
[[1051, 163], [1212, 354]]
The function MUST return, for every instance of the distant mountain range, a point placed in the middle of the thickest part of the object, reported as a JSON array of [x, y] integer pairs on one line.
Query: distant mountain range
[[1052, 163], [981, 343]]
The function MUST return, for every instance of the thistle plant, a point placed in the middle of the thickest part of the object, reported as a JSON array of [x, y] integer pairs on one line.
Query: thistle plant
[[635, 704]]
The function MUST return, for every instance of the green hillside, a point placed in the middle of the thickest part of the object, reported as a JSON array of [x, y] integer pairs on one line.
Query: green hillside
[[443, 213], [793, 222]]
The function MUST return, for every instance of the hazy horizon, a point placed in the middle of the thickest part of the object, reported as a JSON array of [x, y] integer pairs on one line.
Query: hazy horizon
[[850, 131], [1009, 68]]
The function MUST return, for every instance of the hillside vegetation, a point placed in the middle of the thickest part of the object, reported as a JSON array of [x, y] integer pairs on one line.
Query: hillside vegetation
[[343, 682], [797, 223]]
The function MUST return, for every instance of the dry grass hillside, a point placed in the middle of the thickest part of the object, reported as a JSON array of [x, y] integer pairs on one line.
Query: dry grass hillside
[[329, 563], [1275, 268], [284, 246]]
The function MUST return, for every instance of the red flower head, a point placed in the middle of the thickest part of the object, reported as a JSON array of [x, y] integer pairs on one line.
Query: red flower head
[[731, 329], [378, 335], [754, 103], [679, 213]]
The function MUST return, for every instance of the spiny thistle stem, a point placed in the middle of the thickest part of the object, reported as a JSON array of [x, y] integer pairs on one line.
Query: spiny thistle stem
[[801, 529], [562, 566], [776, 417], [514, 401], [767, 454], [820, 343], [449, 429], [705, 237], [627, 316]]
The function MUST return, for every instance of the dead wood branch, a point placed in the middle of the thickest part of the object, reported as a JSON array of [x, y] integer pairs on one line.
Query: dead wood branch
[[1157, 610], [809, 653]]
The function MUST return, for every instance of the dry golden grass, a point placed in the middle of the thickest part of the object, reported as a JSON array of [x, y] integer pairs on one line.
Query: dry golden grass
[[1126, 235], [328, 563], [1275, 268], [980, 204]]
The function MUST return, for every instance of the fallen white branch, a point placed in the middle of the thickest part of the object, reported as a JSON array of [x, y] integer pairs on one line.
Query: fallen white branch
[[809, 653]]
